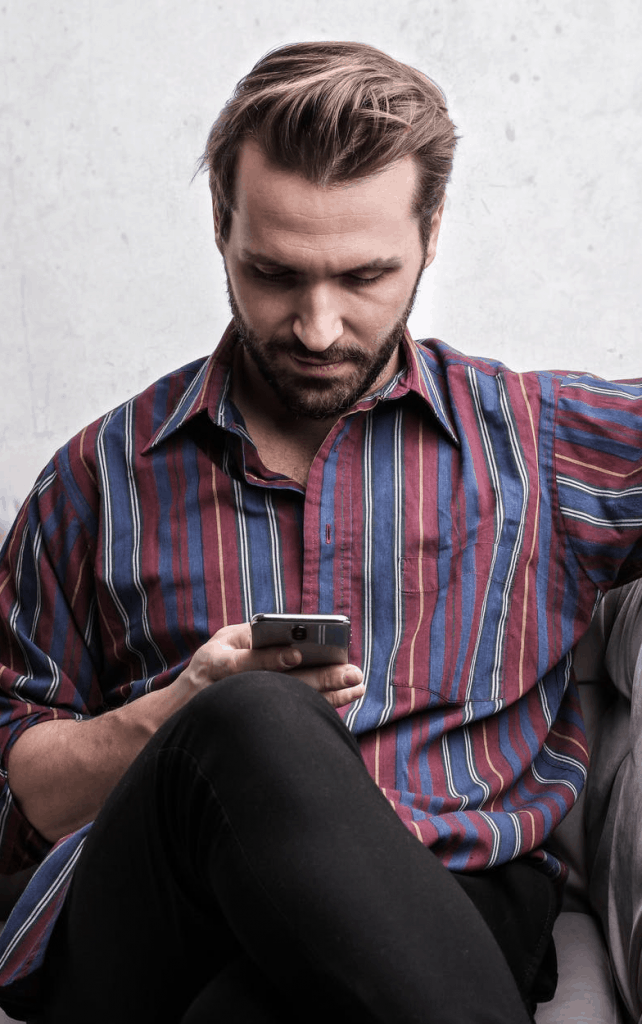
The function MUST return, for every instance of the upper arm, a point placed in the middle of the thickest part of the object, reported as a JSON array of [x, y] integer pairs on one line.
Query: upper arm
[[598, 467], [47, 664]]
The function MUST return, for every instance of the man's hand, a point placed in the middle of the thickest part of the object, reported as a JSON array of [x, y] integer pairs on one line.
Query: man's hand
[[229, 652], [62, 771]]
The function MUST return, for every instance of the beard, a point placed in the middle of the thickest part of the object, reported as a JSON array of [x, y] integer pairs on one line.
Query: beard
[[316, 398]]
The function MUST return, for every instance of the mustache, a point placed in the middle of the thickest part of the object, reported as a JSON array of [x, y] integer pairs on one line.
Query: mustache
[[335, 353]]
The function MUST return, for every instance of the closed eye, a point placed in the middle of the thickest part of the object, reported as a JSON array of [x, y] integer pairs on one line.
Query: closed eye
[[288, 276], [280, 275], [360, 281]]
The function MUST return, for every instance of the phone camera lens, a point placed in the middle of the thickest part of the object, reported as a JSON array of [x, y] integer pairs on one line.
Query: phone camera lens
[[299, 632]]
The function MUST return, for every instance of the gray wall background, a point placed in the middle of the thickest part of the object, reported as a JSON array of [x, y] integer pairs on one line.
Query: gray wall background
[[108, 271]]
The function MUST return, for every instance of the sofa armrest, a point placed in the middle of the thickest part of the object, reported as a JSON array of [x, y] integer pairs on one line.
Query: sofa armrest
[[614, 798]]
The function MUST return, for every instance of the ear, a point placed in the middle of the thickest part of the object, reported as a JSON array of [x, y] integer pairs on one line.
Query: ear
[[217, 226], [435, 224]]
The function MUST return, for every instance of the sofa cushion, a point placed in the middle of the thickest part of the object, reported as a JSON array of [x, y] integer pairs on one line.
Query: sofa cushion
[[568, 841], [586, 991]]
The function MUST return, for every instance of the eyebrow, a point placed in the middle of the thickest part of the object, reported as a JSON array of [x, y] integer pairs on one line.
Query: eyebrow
[[380, 263]]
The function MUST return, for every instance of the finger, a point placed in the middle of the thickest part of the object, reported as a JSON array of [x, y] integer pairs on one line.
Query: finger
[[270, 659], [329, 678], [339, 698], [237, 636]]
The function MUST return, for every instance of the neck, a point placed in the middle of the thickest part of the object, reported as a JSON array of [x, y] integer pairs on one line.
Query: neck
[[286, 443]]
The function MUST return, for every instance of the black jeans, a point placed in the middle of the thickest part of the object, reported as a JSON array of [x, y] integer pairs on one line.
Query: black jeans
[[247, 869]]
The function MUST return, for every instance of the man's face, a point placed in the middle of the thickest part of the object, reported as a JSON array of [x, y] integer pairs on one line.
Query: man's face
[[321, 282]]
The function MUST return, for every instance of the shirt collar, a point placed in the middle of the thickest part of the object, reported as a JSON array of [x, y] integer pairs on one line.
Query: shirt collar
[[424, 375], [208, 391]]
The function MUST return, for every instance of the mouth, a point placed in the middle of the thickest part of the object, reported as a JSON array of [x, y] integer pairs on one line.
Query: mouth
[[317, 367]]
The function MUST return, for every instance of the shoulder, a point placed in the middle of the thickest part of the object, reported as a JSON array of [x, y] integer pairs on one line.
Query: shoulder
[[477, 386], [441, 358], [446, 361], [130, 425], [75, 480]]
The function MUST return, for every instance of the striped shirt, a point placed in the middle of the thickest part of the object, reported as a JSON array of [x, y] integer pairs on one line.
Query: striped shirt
[[465, 517]]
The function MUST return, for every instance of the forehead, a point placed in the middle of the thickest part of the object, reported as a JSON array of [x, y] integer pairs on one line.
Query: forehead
[[278, 208]]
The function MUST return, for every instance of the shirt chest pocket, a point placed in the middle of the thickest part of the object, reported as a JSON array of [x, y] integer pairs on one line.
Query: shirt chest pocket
[[466, 637]]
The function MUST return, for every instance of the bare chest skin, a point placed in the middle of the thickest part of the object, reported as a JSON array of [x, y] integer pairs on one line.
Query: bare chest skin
[[282, 455], [286, 444], [288, 448]]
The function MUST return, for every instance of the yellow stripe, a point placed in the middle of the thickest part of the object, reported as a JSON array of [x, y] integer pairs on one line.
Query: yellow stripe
[[532, 552], [571, 739], [389, 799], [82, 456], [112, 637], [75, 593], [599, 469], [490, 764], [533, 832], [200, 405]]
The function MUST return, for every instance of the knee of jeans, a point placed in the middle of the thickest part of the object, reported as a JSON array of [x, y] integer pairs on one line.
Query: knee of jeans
[[250, 701]]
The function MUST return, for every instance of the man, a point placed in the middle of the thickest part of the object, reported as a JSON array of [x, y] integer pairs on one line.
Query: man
[[258, 852]]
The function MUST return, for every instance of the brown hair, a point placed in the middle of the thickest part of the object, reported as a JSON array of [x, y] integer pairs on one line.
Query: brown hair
[[334, 112]]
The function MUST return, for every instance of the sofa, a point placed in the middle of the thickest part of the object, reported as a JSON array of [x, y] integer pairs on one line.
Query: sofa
[[599, 932]]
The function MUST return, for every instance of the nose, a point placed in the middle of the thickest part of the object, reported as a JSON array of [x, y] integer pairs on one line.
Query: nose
[[317, 323]]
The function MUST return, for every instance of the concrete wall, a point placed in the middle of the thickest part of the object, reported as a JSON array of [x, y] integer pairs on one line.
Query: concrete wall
[[109, 274]]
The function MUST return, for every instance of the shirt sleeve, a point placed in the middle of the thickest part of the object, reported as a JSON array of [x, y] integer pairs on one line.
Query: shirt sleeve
[[598, 461], [49, 660]]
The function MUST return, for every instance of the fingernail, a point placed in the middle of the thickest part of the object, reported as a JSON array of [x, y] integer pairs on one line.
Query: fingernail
[[352, 676], [291, 656]]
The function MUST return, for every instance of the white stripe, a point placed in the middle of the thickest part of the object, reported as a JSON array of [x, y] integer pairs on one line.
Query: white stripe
[[599, 492], [220, 412], [554, 782], [519, 539], [541, 689], [366, 656], [181, 409], [595, 389], [92, 613], [448, 772], [499, 521], [37, 551], [22, 681], [15, 614], [6, 809], [564, 759], [434, 393], [44, 900], [397, 471], [276, 553], [584, 517], [46, 482], [472, 767], [488, 818], [244, 552], [519, 835], [136, 547], [108, 527]]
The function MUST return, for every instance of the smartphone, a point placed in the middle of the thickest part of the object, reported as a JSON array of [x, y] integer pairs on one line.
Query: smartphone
[[322, 639]]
